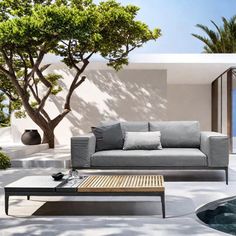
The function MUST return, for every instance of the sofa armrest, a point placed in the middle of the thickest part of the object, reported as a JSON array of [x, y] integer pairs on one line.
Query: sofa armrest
[[82, 148], [216, 147]]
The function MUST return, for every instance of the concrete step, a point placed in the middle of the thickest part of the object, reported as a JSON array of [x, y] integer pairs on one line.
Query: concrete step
[[19, 150], [55, 158], [46, 163]]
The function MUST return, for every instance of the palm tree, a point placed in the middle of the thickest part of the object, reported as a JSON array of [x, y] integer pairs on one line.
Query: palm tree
[[222, 40]]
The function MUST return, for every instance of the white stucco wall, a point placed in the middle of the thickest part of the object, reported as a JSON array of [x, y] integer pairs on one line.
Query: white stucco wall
[[190, 102], [131, 94]]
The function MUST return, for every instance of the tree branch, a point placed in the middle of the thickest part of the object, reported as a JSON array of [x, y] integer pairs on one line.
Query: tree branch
[[42, 78], [71, 57], [8, 61], [4, 71], [75, 84], [25, 72], [43, 100], [80, 81], [9, 95], [44, 67], [45, 114], [59, 118], [64, 43], [88, 57], [35, 85], [31, 58], [35, 82], [36, 97], [128, 50], [35, 65], [42, 103], [24, 63], [86, 62]]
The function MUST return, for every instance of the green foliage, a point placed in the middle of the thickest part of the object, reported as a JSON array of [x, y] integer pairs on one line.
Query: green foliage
[[7, 88], [220, 40], [10, 100], [4, 115], [4, 161], [54, 79], [20, 113]]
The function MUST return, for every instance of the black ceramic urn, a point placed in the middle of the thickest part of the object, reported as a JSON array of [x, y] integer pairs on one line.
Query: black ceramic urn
[[31, 137]]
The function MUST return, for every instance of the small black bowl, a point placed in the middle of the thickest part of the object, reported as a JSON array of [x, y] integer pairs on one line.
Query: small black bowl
[[57, 176]]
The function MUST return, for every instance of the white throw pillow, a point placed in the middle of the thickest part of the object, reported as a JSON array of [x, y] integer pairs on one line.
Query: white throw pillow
[[142, 141]]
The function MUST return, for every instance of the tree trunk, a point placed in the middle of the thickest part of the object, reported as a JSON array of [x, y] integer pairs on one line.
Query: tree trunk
[[48, 137]]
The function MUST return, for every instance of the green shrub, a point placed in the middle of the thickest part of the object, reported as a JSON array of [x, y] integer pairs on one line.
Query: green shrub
[[4, 161]]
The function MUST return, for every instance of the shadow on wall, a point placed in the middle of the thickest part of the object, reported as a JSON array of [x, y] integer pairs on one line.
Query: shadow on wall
[[107, 95]]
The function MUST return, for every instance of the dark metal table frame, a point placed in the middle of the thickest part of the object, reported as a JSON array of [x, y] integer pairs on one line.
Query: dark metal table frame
[[28, 192]]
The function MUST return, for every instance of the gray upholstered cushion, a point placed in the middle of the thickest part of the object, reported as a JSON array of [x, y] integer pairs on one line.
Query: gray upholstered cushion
[[108, 137], [167, 157], [178, 134], [129, 126], [135, 126], [142, 141]]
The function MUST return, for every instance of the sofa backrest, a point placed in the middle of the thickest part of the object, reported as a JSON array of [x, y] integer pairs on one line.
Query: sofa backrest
[[174, 134], [177, 134], [130, 126]]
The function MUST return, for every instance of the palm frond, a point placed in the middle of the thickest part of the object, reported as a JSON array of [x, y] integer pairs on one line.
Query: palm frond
[[214, 36], [209, 44]]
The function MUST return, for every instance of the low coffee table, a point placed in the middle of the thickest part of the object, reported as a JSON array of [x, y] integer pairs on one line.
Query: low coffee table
[[99, 185]]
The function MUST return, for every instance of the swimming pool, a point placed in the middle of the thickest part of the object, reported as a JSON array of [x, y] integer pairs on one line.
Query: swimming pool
[[220, 215]]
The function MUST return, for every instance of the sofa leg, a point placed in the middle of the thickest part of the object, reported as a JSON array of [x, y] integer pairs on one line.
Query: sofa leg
[[227, 175]]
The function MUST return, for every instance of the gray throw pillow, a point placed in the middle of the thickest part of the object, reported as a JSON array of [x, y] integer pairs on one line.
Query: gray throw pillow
[[142, 141], [108, 137]]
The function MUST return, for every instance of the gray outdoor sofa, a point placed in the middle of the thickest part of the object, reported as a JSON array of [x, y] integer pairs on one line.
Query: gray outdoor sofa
[[184, 147]]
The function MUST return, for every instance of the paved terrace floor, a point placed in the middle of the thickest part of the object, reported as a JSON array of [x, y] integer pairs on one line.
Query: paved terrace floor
[[185, 191]]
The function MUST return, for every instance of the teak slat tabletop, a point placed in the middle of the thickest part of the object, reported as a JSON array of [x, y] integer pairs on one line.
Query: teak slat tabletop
[[122, 183]]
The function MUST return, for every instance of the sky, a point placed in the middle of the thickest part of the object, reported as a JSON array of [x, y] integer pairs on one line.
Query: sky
[[177, 20]]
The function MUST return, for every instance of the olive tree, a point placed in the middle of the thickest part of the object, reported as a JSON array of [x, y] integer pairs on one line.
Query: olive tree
[[75, 30]]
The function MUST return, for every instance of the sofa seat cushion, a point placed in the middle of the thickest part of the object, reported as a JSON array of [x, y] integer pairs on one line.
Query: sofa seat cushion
[[167, 157]]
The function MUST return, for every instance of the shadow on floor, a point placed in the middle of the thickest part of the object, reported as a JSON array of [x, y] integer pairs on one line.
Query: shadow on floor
[[98, 208], [175, 207], [169, 175]]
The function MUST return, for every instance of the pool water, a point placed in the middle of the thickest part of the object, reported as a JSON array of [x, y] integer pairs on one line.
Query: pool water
[[220, 215]]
